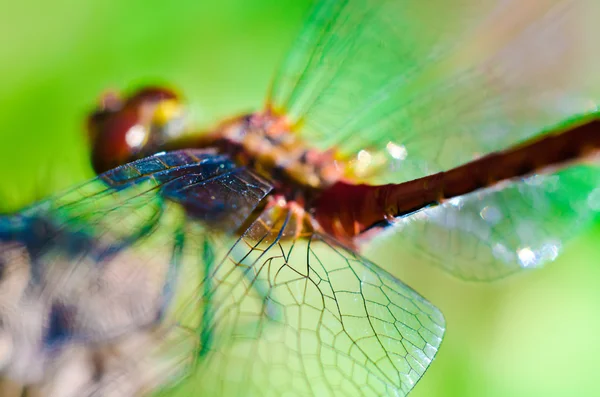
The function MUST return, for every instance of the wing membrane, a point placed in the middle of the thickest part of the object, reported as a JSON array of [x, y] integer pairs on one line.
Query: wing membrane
[[307, 317], [135, 283], [492, 233], [92, 271], [444, 81], [407, 89]]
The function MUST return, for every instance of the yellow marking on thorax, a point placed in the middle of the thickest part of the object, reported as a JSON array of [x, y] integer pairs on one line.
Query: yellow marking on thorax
[[272, 150]]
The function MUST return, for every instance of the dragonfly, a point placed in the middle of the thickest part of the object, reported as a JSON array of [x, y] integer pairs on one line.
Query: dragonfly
[[228, 261]]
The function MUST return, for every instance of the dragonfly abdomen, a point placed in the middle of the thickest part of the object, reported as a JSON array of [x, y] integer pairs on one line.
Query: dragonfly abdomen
[[346, 210], [553, 150]]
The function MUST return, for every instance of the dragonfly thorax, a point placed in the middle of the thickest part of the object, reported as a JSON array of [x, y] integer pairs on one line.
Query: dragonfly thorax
[[266, 144]]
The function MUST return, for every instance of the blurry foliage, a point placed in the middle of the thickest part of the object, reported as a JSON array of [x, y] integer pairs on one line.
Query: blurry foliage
[[530, 335]]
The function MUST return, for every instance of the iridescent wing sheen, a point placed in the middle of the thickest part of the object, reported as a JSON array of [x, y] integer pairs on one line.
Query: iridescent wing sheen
[[407, 88], [125, 284], [90, 273]]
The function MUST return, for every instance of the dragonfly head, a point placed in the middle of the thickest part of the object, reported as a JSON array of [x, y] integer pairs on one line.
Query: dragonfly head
[[123, 129]]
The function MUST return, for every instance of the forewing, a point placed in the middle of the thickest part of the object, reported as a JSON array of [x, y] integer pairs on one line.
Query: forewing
[[286, 314], [424, 87], [91, 273], [409, 88]]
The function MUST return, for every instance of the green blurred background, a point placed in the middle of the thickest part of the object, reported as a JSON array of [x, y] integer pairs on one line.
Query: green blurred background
[[536, 334]]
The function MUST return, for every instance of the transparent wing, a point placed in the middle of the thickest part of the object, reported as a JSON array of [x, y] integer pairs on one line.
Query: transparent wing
[[286, 314], [424, 87], [408, 88], [125, 284], [88, 275], [492, 233]]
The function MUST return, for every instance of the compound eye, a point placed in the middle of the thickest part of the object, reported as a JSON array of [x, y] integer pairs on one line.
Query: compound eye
[[152, 94], [122, 130]]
